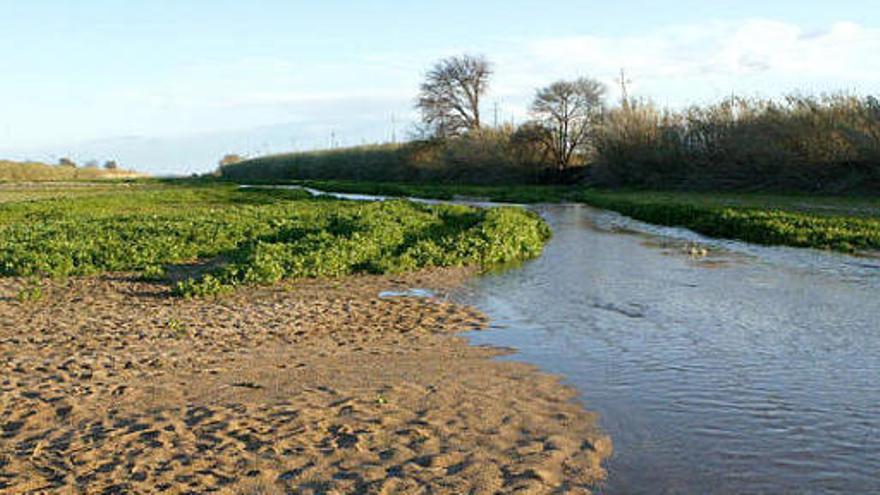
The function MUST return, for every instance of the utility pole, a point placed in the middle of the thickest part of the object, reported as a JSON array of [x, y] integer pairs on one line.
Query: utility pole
[[495, 112], [624, 91], [393, 128]]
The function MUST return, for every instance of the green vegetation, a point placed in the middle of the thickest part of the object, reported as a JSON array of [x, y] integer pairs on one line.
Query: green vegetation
[[33, 171], [801, 144], [499, 194], [752, 220], [845, 224], [177, 329], [33, 292], [489, 156], [251, 236]]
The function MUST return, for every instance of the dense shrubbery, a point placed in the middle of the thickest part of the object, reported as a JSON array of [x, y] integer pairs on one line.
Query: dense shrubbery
[[827, 144], [358, 163], [254, 236], [488, 156]]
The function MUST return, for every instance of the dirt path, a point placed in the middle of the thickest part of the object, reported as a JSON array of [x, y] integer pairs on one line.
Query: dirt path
[[106, 386]]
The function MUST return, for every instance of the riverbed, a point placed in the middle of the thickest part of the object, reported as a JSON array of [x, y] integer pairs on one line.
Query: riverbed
[[716, 366]]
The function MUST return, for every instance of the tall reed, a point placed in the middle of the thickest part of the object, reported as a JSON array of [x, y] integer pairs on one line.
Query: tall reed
[[828, 143]]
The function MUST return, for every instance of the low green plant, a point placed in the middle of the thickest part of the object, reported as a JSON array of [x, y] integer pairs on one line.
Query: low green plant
[[154, 272], [252, 236], [377, 237], [33, 292], [843, 223], [768, 225], [177, 329], [206, 286]]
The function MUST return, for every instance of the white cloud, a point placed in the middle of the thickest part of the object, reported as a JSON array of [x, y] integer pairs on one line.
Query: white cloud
[[680, 63], [674, 65]]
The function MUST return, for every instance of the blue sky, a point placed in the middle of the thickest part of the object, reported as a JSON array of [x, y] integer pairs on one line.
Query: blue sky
[[169, 86]]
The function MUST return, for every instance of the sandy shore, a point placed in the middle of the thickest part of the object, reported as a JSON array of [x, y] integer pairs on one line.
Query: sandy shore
[[108, 386]]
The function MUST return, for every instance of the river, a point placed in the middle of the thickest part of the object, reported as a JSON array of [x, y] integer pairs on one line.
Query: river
[[749, 370]]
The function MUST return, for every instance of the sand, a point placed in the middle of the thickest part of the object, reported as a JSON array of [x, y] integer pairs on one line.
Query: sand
[[109, 386]]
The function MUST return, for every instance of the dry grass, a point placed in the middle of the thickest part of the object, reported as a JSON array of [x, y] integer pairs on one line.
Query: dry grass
[[34, 171], [829, 143]]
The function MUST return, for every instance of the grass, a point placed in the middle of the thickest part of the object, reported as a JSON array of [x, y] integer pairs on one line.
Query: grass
[[842, 223], [501, 194], [250, 236], [34, 171]]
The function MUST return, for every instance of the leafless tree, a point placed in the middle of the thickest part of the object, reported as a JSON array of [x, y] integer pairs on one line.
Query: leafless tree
[[567, 112], [449, 99]]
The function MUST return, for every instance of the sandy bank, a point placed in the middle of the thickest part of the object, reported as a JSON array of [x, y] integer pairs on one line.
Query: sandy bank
[[311, 387]]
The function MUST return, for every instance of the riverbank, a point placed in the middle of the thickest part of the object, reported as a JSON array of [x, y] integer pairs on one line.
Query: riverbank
[[840, 223], [317, 386]]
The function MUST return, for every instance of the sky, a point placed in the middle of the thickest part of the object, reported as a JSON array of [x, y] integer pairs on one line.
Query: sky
[[168, 87]]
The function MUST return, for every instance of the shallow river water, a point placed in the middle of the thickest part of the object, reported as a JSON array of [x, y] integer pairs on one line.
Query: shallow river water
[[750, 370]]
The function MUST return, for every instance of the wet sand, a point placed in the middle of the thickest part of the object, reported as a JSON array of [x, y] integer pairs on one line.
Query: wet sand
[[319, 386]]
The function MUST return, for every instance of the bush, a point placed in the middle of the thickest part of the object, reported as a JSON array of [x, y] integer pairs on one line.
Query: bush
[[829, 144], [487, 156]]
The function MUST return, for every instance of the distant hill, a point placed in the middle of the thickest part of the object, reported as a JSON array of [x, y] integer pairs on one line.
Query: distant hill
[[35, 171]]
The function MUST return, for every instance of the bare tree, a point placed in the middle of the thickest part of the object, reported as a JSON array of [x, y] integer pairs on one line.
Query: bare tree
[[568, 111], [449, 98]]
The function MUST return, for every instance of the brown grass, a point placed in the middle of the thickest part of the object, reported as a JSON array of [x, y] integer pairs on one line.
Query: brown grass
[[34, 171]]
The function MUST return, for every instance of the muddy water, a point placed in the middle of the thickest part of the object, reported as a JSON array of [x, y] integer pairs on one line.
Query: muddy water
[[750, 370]]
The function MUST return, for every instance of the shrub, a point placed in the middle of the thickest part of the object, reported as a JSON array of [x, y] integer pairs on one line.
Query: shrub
[[829, 143], [487, 156]]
